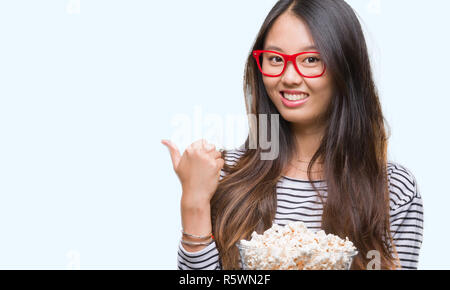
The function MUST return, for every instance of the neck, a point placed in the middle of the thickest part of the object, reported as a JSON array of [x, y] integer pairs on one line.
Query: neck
[[308, 139]]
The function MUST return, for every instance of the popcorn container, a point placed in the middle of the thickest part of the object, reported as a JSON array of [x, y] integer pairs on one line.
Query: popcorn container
[[252, 258]]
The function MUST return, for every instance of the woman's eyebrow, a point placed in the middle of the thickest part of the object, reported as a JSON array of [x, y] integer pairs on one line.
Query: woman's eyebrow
[[273, 47]]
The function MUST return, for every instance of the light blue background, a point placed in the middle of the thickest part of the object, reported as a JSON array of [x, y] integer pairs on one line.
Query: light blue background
[[87, 94]]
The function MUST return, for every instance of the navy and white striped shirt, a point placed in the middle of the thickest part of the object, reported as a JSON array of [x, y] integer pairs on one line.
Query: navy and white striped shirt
[[297, 201]]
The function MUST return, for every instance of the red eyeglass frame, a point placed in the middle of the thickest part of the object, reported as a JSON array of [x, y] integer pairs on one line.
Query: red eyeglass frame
[[287, 57]]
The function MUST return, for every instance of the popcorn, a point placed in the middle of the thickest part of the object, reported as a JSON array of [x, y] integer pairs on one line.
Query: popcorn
[[295, 247]]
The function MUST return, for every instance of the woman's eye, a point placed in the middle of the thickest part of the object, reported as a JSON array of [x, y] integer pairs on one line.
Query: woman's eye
[[276, 59], [312, 59]]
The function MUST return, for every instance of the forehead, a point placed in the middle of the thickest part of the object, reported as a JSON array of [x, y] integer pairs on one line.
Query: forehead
[[289, 33]]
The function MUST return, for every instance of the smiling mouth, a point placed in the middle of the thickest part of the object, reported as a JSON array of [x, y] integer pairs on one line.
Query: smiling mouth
[[294, 97]]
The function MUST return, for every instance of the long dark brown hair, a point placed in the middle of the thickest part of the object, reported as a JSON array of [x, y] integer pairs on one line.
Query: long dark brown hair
[[353, 149]]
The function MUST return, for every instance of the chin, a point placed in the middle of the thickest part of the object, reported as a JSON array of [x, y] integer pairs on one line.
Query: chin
[[298, 117]]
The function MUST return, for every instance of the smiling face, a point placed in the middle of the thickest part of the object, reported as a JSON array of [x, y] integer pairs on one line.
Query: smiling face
[[290, 35]]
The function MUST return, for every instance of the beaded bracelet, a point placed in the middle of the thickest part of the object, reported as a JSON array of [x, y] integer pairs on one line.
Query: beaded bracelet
[[209, 236], [196, 243]]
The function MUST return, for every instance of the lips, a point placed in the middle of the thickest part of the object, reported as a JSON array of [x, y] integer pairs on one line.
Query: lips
[[294, 95], [293, 101], [291, 92]]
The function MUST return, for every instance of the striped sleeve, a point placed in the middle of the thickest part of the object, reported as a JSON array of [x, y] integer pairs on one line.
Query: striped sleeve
[[207, 258], [406, 215]]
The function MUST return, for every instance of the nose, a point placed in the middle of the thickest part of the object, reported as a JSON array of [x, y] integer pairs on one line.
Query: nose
[[290, 75]]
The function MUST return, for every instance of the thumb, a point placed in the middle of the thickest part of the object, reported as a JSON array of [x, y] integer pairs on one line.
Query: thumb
[[174, 153]]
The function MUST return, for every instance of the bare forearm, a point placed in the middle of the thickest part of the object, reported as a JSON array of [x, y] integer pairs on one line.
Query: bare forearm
[[196, 220]]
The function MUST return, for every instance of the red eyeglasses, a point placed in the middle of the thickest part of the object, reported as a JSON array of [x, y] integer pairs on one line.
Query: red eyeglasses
[[273, 64]]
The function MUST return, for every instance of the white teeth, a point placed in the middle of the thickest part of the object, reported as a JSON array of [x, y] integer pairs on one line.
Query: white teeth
[[295, 97]]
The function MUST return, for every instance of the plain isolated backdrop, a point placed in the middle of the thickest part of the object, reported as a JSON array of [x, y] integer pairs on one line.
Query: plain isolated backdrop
[[89, 88]]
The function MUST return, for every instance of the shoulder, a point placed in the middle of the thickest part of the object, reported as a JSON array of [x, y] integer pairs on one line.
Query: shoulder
[[231, 156], [403, 186]]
